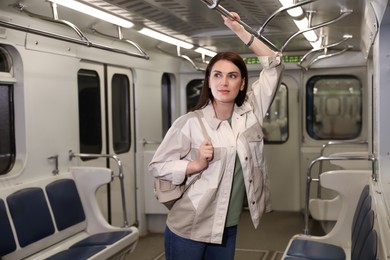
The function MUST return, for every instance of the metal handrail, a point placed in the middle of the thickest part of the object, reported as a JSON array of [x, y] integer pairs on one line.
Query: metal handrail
[[214, 4], [120, 37], [331, 143], [120, 175], [189, 60], [82, 41], [323, 48], [309, 178], [343, 13], [323, 56], [282, 9]]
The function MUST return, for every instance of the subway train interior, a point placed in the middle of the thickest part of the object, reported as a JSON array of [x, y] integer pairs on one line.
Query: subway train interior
[[88, 89]]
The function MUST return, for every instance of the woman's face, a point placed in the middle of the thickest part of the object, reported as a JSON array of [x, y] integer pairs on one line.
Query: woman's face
[[225, 81]]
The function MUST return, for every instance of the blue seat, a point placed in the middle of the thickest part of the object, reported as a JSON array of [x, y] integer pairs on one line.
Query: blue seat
[[7, 240], [362, 226], [295, 258], [315, 250], [369, 249], [107, 238], [64, 198], [78, 253], [30, 214], [359, 240]]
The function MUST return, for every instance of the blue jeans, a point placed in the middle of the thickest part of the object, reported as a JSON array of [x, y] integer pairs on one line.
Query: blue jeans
[[178, 248]]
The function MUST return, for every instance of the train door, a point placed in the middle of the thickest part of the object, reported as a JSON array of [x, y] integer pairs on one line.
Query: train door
[[281, 130], [106, 120]]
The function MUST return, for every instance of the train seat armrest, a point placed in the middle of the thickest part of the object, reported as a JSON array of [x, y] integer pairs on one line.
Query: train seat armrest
[[88, 180]]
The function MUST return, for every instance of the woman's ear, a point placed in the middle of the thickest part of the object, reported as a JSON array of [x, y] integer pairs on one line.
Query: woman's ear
[[242, 84]]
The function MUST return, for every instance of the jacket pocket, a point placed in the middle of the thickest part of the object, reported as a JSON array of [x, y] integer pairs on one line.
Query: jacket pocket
[[254, 139]]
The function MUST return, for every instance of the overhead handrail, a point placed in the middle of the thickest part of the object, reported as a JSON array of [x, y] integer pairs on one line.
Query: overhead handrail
[[82, 41], [323, 48], [281, 10], [343, 13], [324, 56], [120, 175], [120, 37], [189, 59], [309, 178], [214, 4], [324, 146]]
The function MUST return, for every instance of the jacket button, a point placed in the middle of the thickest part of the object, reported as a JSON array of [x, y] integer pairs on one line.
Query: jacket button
[[246, 158], [250, 181], [253, 203]]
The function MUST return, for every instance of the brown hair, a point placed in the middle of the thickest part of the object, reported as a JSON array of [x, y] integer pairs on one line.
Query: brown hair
[[206, 94]]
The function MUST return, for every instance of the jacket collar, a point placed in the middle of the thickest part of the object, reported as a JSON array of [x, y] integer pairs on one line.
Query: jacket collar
[[214, 122]]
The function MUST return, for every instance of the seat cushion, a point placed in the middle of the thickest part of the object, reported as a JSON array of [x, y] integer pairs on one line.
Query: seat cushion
[[295, 258], [315, 250], [107, 238], [79, 253]]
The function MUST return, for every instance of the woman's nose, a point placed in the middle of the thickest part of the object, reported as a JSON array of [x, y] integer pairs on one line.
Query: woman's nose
[[224, 80]]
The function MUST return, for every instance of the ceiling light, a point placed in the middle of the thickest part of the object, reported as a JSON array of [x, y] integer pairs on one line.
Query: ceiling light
[[295, 12], [75, 5], [205, 52], [301, 21], [303, 24], [165, 38]]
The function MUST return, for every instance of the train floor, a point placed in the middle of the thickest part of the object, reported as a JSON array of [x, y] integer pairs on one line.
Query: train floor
[[267, 242]]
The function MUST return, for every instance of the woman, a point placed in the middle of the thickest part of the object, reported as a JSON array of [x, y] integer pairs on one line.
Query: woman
[[203, 223]]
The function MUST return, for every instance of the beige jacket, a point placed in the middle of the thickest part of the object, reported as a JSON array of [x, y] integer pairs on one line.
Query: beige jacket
[[201, 213]]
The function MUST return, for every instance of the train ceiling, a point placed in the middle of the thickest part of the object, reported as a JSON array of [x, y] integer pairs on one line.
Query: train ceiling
[[194, 22]]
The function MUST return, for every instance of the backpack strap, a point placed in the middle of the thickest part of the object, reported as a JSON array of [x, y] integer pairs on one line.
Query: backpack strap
[[205, 134]]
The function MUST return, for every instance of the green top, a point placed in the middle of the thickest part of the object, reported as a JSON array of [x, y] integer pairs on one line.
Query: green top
[[237, 194]]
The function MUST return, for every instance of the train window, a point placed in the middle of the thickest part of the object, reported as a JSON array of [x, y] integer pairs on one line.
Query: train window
[[5, 61], [89, 112], [334, 107], [193, 90], [275, 125], [7, 132], [166, 94], [121, 113]]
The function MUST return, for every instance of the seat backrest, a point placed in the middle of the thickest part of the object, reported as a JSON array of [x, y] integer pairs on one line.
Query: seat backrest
[[360, 218], [7, 240], [369, 250], [64, 199], [30, 214], [361, 234], [363, 195]]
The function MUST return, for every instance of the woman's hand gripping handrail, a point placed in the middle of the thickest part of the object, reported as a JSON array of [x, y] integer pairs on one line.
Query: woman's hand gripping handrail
[[214, 4], [120, 175]]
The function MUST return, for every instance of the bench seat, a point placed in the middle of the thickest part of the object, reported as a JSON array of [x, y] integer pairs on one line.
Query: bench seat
[[353, 236], [58, 218]]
